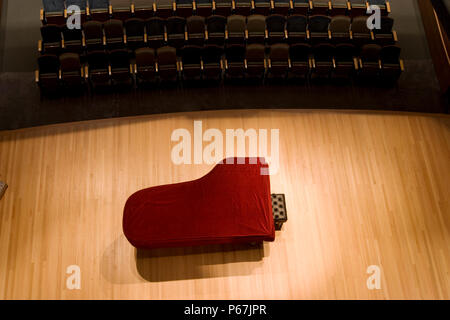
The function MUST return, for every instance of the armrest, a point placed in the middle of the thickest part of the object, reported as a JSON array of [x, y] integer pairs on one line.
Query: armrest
[[245, 63], [59, 74], [86, 72], [42, 15], [110, 9], [330, 7], [109, 70], [194, 6], [394, 35], [289, 63], [36, 76], [40, 45], [145, 37], [214, 5], [226, 34], [104, 40], [156, 67], [253, 4], [266, 34], [269, 62], [286, 34], [131, 69], [355, 63], [226, 64], [246, 34], [174, 6], [233, 5], [206, 34], [310, 5], [179, 66], [402, 65], [125, 39], [132, 8], [63, 44], [272, 5], [388, 7], [83, 41], [334, 63], [154, 7], [65, 13], [291, 4]]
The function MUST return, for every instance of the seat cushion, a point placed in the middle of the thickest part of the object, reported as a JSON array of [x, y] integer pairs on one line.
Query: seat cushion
[[230, 204]]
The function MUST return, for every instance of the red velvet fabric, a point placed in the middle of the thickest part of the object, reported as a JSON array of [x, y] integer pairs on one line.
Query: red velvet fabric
[[230, 204]]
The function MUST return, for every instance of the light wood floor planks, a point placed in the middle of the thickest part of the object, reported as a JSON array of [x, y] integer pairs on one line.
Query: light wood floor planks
[[361, 189]]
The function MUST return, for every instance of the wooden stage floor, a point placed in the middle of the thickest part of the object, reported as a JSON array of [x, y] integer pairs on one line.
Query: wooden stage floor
[[361, 189]]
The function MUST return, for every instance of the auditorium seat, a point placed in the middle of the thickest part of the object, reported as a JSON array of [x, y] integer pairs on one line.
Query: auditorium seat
[[121, 69], [255, 61], [156, 35], [215, 28], [73, 40], [322, 7], [72, 74], [345, 62], [302, 6], [51, 39], [339, 7], [234, 61], [369, 61], [297, 29], [195, 26], [145, 67], [256, 28], [167, 64], [93, 33], [276, 26], [279, 62], [97, 70], [360, 33], [114, 34], [242, 7], [120, 9], [281, 7], [340, 29], [53, 12], [358, 7], [323, 60], [391, 64], [47, 76], [99, 10], [236, 27], [135, 33], [184, 8], [300, 61], [385, 35], [176, 31], [164, 8], [142, 9], [204, 8], [384, 5], [191, 62], [262, 7], [223, 7], [319, 28], [212, 62], [82, 4]]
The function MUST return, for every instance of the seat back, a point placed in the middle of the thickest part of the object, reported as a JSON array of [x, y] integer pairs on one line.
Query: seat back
[[279, 59], [135, 27], [167, 60], [145, 63], [195, 26], [212, 56], [256, 26], [216, 25], [70, 69], [191, 58], [255, 56]]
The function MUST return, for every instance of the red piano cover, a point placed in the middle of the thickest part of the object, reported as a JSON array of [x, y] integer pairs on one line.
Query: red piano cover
[[230, 204]]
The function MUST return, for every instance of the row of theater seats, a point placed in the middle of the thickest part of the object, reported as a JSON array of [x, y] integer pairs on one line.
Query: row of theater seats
[[213, 62], [196, 30], [55, 11]]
